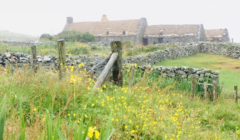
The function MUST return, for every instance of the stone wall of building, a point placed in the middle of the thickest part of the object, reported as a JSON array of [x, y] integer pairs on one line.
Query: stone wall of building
[[173, 40], [140, 32], [106, 40]]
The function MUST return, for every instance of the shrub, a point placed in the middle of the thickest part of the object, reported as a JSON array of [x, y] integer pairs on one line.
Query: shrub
[[75, 36], [127, 44], [87, 37], [46, 37], [93, 47]]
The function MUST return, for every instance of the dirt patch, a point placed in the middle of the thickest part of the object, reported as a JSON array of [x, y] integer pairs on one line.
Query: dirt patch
[[237, 67]]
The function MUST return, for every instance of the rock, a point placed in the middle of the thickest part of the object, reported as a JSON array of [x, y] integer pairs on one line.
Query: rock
[[7, 54], [46, 59]]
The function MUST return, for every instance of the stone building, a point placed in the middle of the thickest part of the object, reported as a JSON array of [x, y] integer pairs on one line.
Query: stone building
[[107, 31], [174, 34], [217, 35], [138, 32]]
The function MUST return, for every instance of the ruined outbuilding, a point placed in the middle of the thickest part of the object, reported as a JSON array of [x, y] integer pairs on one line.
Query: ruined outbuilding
[[217, 35]]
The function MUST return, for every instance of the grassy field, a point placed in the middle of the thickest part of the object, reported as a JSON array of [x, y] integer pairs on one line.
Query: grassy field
[[71, 49], [228, 67], [39, 106]]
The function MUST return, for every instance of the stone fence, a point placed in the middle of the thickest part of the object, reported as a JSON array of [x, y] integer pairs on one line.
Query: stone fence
[[150, 59], [184, 72], [228, 49]]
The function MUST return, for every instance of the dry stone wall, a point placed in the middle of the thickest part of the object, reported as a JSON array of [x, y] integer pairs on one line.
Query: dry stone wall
[[146, 61], [228, 49], [184, 72]]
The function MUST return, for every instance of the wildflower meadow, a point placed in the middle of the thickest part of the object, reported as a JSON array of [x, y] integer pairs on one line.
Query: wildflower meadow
[[40, 106]]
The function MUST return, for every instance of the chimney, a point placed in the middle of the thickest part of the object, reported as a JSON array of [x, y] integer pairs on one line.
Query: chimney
[[104, 18], [69, 20]]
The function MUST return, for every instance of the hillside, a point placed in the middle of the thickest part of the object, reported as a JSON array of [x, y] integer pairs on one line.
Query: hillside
[[6, 35]]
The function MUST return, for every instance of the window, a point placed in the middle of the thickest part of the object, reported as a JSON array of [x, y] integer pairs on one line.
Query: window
[[124, 32], [107, 33]]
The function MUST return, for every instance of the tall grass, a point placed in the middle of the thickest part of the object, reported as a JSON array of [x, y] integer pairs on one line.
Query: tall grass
[[152, 108]]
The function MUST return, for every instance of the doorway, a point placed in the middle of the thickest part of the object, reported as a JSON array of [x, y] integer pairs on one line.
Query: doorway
[[145, 41]]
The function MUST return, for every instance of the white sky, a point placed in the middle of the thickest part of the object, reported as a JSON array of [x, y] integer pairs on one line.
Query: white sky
[[35, 17]]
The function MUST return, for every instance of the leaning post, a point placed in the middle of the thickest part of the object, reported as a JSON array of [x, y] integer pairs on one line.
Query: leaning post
[[61, 58], [116, 46], [236, 94], [34, 58], [192, 88]]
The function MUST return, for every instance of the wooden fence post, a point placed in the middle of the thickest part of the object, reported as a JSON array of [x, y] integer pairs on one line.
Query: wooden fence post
[[192, 88], [34, 58], [214, 91], [116, 46], [205, 89], [61, 58], [236, 94]]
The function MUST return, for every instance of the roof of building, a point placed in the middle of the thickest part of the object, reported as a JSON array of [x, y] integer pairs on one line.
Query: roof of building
[[215, 33], [106, 27], [171, 30]]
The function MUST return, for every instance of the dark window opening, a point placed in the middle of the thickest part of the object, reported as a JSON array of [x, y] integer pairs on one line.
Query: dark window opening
[[124, 32], [160, 40], [161, 33], [145, 41], [154, 42], [107, 33]]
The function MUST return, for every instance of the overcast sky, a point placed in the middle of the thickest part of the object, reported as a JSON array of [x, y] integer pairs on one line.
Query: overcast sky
[[35, 17]]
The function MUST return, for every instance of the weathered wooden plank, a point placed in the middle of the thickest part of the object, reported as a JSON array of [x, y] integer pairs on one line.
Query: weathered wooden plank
[[105, 72]]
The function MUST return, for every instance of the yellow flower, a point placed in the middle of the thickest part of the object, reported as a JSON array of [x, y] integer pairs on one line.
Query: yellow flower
[[112, 119], [126, 127], [97, 134], [35, 109], [133, 131], [86, 116], [68, 114], [90, 134], [74, 114]]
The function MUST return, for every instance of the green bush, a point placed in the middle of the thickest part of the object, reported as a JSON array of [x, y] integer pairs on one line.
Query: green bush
[[93, 47], [75, 36], [127, 44], [46, 37]]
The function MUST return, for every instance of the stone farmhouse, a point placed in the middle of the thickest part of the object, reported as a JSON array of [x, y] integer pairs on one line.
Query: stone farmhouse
[[138, 32], [217, 35]]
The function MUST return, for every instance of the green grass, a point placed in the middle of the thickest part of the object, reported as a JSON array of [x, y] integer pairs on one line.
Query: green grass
[[39, 106], [229, 73], [71, 49]]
